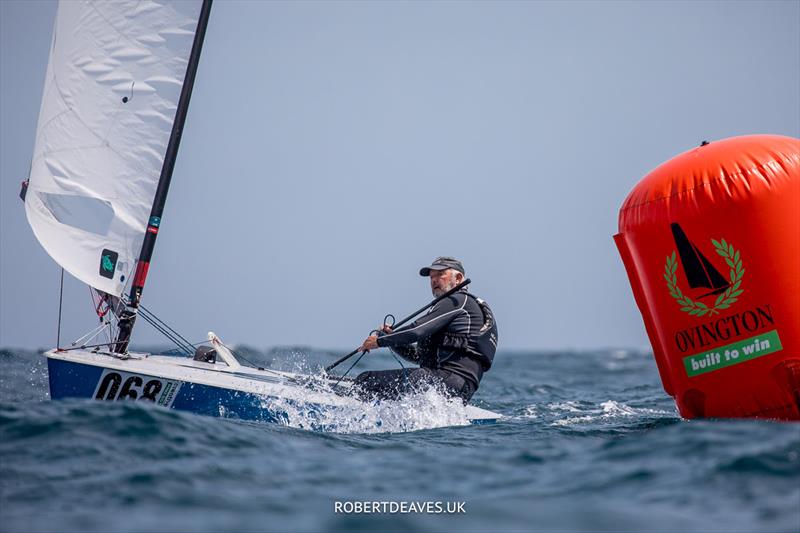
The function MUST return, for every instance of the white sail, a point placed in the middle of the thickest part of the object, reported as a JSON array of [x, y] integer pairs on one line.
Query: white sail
[[113, 82]]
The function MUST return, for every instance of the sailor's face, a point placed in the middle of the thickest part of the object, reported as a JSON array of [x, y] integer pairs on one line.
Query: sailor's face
[[444, 280]]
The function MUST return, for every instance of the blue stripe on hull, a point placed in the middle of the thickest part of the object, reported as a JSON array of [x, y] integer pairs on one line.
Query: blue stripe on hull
[[72, 380], [77, 380], [215, 401]]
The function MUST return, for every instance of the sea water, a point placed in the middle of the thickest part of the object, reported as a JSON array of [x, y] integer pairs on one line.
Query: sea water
[[589, 442]]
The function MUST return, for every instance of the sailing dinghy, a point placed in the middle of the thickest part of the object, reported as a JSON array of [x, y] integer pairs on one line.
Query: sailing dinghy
[[117, 90]]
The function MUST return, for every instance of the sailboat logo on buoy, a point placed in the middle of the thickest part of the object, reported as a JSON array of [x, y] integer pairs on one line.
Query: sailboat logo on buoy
[[701, 274]]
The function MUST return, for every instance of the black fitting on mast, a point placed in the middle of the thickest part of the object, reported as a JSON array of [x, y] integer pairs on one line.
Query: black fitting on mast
[[128, 316]]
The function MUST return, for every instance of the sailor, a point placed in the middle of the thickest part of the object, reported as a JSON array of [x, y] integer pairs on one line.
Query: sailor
[[453, 344]]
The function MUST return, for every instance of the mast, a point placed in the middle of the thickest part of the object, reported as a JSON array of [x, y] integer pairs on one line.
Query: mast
[[128, 316]]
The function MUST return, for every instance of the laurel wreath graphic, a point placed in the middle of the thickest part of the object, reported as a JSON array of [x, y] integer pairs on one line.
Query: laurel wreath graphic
[[725, 299]]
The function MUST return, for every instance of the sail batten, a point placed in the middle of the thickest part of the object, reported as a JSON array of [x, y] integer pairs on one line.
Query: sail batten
[[114, 79]]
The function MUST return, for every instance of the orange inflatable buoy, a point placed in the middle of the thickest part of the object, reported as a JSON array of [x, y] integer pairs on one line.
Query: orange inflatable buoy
[[711, 244]]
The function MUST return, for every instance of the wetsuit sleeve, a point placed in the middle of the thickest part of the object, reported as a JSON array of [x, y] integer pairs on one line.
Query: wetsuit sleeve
[[440, 316], [409, 353]]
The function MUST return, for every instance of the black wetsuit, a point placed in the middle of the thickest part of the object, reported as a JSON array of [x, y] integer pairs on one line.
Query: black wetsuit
[[445, 351]]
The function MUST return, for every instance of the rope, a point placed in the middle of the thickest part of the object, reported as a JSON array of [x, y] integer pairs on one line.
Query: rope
[[187, 344], [83, 347], [349, 369], [99, 303], [180, 346], [193, 345], [405, 371], [91, 335], [167, 334], [252, 365], [163, 328]]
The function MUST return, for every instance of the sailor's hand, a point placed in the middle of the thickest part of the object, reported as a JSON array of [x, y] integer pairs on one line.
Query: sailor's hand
[[370, 343], [386, 329]]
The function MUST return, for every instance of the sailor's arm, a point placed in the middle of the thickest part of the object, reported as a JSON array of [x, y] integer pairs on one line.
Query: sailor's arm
[[440, 316], [408, 352]]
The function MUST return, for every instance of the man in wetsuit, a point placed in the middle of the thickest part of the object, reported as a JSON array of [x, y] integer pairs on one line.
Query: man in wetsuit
[[453, 344]]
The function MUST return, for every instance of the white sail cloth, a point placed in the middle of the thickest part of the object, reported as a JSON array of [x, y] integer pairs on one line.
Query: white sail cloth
[[113, 82]]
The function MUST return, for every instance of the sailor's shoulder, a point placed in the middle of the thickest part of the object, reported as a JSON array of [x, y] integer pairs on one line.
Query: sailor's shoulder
[[475, 298], [479, 303], [461, 297]]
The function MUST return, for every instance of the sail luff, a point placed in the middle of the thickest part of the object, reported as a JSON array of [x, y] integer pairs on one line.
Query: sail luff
[[128, 318]]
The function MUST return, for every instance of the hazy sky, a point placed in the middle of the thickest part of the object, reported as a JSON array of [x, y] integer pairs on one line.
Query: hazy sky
[[333, 148]]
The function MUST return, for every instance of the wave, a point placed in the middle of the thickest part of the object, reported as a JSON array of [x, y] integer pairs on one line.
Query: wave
[[583, 447], [425, 409]]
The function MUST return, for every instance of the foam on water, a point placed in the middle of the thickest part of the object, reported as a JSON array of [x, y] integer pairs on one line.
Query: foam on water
[[427, 408], [609, 409]]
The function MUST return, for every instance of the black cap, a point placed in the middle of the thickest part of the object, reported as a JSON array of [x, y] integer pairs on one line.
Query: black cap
[[442, 263]]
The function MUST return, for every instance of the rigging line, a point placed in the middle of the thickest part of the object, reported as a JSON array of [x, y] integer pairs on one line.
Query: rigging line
[[180, 347], [165, 326], [253, 365], [60, 302], [164, 329], [96, 304], [89, 336], [187, 350], [180, 350], [193, 345], [109, 331], [87, 346], [351, 367], [405, 372], [91, 296], [237, 356], [181, 337], [166, 334]]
